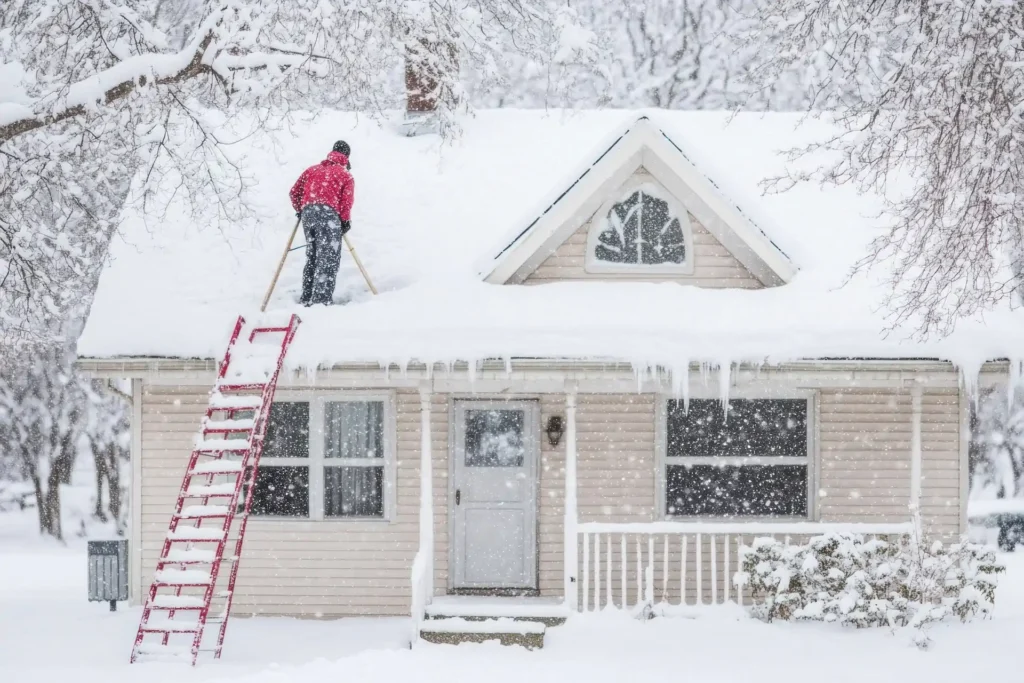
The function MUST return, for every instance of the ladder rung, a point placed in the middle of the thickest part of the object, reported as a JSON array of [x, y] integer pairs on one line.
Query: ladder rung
[[262, 330], [223, 445], [204, 512], [182, 577], [242, 387], [221, 402], [219, 466], [208, 490]]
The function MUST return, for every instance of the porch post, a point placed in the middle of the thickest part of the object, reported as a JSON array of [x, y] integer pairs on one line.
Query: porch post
[[426, 491], [571, 559], [915, 456]]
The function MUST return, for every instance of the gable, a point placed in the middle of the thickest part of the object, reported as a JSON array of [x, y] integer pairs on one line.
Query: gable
[[742, 251], [709, 263]]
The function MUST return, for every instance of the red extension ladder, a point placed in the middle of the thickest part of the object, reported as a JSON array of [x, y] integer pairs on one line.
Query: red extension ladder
[[189, 590]]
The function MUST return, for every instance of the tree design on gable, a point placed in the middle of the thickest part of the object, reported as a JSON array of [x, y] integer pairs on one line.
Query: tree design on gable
[[641, 230]]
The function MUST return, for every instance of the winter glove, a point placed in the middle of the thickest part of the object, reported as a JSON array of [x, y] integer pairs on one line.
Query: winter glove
[[345, 226]]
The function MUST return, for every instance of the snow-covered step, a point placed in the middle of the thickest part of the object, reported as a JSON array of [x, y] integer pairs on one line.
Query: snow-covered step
[[529, 634], [550, 610], [221, 445], [198, 491], [191, 533], [229, 425], [197, 511], [190, 555], [183, 577], [218, 467], [228, 402], [177, 602]]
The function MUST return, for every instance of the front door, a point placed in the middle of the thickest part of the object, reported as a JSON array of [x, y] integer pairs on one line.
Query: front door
[[494, 495]]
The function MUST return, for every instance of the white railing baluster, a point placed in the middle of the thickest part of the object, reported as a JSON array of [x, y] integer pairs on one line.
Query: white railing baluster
[[624, 570], [725, 550], [586, 572], [608, 566], [714, 570], [664, 573], [591, 587], [639, 573], [682, 574], [700, 573]]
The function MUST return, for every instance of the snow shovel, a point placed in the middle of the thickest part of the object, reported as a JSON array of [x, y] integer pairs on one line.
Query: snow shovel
[[280, 266], [288, 249]]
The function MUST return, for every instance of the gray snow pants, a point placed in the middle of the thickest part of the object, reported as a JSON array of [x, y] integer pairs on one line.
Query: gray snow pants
[[322, 227]]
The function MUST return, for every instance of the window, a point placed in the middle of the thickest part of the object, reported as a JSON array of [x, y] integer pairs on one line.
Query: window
[[750, 460], [323, 459], [644, 230]]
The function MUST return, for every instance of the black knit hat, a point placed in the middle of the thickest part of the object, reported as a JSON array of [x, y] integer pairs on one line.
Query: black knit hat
[[342, 147]]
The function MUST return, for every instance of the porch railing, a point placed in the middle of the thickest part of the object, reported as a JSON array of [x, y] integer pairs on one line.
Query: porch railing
[[659, 566]]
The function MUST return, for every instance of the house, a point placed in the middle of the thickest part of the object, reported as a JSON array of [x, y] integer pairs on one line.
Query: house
[[601, 360]]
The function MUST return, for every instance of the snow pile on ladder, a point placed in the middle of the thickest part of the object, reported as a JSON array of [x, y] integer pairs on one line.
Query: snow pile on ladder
[[207, 528]]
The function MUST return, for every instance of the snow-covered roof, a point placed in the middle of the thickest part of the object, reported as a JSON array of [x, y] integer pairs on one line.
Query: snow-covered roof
[[431, 220]]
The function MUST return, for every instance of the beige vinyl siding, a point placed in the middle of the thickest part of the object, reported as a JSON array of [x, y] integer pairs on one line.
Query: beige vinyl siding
[[714, 265], [864, 443], [316, 568], [336, 568]]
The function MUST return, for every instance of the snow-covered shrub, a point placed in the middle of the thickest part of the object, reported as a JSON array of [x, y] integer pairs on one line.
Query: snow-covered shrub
[[854, 581]]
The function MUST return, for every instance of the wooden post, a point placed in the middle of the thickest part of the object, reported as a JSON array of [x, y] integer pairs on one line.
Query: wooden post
[[426, 489]]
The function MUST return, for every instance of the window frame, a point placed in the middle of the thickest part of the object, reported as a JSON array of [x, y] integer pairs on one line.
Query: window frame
[[811, 460], [597, 225], [317, 462]]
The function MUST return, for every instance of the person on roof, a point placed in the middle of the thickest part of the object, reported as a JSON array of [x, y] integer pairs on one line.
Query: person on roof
[[322, 197]]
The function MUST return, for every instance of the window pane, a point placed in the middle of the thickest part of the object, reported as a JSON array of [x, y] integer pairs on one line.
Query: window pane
[[287, 431], [754, 427], [752, 490], [641, 229], [282, 491], [354, 429], [494, 438], [353, 491]]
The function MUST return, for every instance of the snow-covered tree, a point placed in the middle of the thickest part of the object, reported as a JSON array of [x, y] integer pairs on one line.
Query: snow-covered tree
[[930, 92], [96, 93]]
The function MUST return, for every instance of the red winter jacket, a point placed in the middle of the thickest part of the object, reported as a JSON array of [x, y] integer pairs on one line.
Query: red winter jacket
[[329, 182]]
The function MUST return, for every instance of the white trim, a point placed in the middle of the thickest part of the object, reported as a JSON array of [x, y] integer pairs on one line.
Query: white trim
[[650, 187], [965, 456], [811, 460], [137, 591], [915, 448], [426, 511], [316, 462], [570, 520], [643, 144], [745, 528]]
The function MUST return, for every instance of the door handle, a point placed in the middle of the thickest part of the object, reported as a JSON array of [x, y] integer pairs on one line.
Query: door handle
[[458, 496]]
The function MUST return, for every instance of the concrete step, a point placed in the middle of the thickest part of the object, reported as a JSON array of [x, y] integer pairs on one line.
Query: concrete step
[[507, 631]]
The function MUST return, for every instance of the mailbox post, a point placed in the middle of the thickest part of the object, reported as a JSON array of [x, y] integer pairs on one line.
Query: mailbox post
[[108, 572]]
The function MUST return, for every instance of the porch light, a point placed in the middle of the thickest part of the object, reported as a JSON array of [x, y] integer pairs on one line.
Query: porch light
[[555, 429]]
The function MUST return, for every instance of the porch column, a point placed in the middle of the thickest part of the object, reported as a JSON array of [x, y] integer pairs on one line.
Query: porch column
[[426, 490], [915, 455], [571, 559]]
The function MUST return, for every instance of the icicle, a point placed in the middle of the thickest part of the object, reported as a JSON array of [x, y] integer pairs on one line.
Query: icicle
[[969, 380], [471, 372], [724, 379], [1016, 371], [508, 366]]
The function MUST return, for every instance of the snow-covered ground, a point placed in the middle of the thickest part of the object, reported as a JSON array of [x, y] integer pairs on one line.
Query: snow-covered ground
[[49, 632]]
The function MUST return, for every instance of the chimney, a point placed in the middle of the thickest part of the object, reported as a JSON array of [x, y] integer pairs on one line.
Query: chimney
[[425, 63]]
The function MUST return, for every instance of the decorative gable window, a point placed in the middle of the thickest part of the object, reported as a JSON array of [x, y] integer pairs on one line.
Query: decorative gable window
[[643, 230]]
